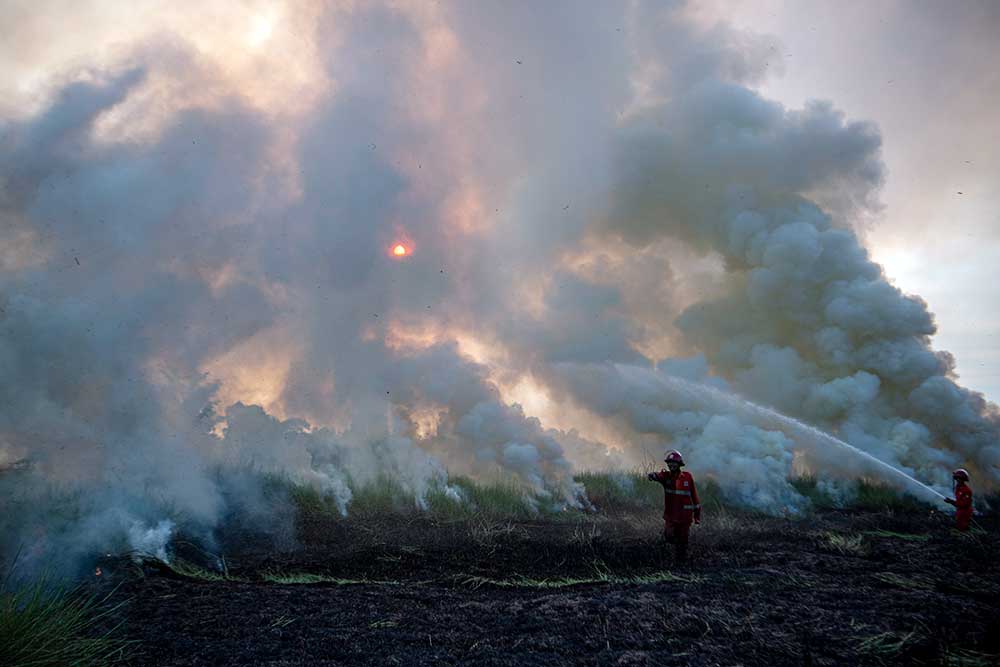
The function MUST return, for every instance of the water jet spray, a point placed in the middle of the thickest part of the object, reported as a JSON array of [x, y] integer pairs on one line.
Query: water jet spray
[[763, 416]]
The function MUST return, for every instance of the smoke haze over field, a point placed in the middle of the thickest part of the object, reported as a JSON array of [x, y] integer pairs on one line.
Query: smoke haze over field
[[196, 276]]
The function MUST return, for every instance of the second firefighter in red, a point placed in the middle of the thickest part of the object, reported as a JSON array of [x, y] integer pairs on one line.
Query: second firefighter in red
[[962, 500], [680, 502]]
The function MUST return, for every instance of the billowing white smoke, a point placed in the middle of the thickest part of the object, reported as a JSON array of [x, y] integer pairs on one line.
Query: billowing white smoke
[[805, 322], [199, 287]]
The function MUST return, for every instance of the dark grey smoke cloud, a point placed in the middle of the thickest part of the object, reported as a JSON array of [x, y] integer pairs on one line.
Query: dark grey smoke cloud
[[595, 189]]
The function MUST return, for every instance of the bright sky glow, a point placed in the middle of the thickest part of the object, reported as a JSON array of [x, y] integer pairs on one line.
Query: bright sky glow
[[261, 30]]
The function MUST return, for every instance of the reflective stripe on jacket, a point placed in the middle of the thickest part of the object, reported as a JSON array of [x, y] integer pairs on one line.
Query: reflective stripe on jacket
[[680, 497]]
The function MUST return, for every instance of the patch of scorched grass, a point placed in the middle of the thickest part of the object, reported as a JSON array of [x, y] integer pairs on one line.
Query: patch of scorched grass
[[908, 537], [43, 625]]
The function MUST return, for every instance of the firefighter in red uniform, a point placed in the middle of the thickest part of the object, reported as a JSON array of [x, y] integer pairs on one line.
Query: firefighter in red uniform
[[962, 500], [680, 502]]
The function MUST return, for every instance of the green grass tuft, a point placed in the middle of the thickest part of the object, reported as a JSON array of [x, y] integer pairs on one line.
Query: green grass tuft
[[963, 658], [864, 494], [191, 571], [309, 578], [620, 491], [880, 497], [601, 576], [310, 502], [380, 496], [913, 583], [302, 578], [807, 485], [43, 625], [505, 498], [847, 545], [886, 644], [502, 498], [909, 537]]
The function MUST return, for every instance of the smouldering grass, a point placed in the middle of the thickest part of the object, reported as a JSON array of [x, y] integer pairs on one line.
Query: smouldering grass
[[42, 625], [310, 501], [808, 486], [380, 496], [445, 506], [878, 496], [384, 496], [503, 497], [863, 494]]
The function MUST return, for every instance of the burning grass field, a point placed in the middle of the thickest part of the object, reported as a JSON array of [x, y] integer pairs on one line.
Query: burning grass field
[[498, 580]]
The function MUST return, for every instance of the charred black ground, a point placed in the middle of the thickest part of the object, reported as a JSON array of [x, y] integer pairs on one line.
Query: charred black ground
[[835, 588]]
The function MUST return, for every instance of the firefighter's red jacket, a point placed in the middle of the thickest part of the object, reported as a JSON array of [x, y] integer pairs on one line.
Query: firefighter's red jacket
[[963, 502], [680, 498]]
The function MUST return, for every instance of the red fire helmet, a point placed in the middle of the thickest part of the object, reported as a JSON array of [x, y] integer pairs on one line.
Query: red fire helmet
[[674, 456], [961, 474]]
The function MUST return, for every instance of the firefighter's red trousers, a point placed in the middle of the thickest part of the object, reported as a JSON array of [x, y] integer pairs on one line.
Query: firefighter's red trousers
[[676, 532]]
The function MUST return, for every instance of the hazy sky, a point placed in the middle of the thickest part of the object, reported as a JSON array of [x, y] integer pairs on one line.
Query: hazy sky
[[926, 73], [608, 207]]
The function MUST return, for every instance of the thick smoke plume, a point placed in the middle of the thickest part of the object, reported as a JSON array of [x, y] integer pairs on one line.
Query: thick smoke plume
[[196, 285]]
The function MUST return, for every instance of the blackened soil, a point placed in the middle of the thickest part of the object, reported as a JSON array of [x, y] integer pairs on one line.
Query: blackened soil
[[835, 589]]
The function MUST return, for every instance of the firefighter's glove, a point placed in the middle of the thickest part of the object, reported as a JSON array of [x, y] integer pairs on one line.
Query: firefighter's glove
[[651, 477], [950, 501]]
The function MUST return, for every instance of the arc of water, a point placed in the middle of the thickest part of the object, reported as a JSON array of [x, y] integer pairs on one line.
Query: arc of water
[[768, 417]]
